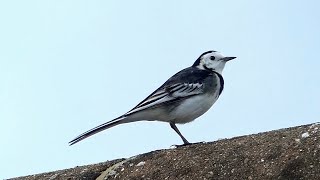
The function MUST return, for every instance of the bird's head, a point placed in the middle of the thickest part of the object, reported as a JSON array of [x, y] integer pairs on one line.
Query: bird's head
[[212, 61]]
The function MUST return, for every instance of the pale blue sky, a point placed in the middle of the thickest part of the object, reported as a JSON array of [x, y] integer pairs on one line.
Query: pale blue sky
[[67, 66]]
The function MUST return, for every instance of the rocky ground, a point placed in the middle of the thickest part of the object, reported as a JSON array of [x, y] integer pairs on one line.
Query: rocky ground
[[292, 153]]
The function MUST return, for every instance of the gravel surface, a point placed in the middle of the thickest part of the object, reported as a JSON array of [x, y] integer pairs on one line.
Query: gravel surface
[[291, 153]]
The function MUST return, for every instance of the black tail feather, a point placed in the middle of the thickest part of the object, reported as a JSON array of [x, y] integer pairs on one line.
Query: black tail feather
[[95, 130]]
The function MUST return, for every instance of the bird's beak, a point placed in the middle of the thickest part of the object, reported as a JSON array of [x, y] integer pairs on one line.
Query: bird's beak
[[228, 58]]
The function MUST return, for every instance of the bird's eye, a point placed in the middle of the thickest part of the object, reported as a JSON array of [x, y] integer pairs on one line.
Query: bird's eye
[[212, 58]]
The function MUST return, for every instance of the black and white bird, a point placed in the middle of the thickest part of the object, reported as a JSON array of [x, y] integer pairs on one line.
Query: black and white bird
[[182, 98]]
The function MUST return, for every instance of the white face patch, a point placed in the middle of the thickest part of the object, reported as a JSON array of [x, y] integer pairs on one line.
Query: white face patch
[[212, 61]]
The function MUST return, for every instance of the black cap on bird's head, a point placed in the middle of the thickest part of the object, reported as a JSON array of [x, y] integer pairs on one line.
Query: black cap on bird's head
[[197, 62]]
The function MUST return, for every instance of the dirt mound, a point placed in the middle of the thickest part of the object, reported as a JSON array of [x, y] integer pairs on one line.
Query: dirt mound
[[292, 153]]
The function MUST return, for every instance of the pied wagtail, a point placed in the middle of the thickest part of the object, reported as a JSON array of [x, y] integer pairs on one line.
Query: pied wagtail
[[182, 98]]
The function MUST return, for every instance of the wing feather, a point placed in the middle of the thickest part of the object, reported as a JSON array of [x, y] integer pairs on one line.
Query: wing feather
[[168, 94]]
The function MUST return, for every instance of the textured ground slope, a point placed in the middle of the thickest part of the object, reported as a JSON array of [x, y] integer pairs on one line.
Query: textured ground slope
[[292, 153]]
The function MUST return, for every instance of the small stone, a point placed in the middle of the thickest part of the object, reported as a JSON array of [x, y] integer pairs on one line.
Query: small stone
[[246, 160], [232, 170], [141, 163], [305, 135]]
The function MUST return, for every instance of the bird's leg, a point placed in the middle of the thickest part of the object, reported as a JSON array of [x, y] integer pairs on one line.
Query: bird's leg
[[174, 127]]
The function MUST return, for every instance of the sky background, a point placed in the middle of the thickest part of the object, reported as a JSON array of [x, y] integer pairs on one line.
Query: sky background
[[67, 66]]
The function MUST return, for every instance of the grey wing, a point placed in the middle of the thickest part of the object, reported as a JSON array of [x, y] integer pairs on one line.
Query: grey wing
[[168, 94]]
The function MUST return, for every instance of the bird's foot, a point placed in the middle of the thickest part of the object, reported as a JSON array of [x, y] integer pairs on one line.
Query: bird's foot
[[186, 144]]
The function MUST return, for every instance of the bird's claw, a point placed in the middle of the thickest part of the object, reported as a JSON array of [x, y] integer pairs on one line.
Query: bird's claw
[[186, 144]]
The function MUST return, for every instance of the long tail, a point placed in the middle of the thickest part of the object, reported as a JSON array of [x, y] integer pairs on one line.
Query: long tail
[[109, 124]]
